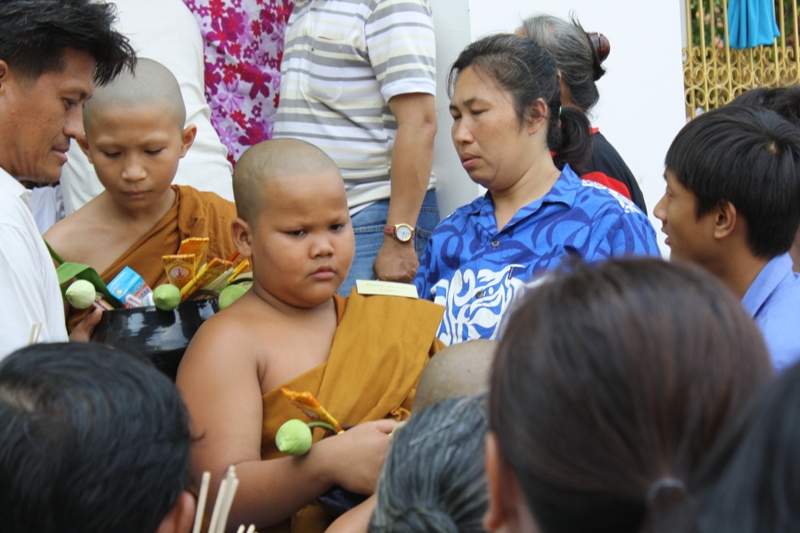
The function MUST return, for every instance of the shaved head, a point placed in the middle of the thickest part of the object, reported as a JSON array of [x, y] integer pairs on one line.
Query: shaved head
[[458, 370], [269, 161], [150, 84]]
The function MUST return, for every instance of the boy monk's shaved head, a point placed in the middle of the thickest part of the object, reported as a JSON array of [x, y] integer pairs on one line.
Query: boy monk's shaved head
[[150, 84], [458, 370], [271, 160]]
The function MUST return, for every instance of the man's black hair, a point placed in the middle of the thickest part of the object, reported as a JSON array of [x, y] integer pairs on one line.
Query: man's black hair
[[92, 439], [35, 33], [750, 158]]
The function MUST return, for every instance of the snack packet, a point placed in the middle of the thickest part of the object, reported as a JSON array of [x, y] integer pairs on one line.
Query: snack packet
[[194, 246], [180, 269], [208, 274], [130, 289]]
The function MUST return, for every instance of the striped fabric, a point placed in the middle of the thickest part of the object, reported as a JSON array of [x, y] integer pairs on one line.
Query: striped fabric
[[343, 61]]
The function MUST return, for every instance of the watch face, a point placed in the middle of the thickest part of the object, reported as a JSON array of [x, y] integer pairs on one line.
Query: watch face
[[403, 233]]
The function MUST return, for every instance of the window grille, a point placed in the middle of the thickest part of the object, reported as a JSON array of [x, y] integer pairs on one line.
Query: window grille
[[714, 73]]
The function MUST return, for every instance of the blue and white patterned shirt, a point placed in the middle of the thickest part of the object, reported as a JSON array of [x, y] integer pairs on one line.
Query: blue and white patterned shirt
[[475, 271]]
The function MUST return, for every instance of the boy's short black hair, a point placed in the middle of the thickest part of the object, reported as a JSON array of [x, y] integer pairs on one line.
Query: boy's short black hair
[[92, 439], [35, 33], [785, 101], [750, 158]]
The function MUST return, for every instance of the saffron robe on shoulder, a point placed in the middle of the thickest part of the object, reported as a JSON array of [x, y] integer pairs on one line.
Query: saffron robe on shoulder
[[194, 214], [381, 346]]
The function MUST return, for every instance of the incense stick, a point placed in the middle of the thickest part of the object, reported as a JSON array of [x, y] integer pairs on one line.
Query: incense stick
[[223, 487], [201, 502], [222, 507], [227, 501], [36, 330]]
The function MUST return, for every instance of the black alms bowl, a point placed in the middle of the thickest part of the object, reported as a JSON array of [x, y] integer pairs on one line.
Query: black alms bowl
[[161, 335]]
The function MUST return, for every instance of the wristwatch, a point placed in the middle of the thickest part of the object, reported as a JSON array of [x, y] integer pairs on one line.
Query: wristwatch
[[401, 232]]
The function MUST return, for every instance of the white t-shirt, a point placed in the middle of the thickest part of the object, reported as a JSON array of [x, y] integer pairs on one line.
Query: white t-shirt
[[167, 32], [29, 292]]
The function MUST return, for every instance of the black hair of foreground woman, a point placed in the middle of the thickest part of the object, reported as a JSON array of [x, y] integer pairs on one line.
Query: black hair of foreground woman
[[434, 477], [92, 440], [755, 473], [610, 386]]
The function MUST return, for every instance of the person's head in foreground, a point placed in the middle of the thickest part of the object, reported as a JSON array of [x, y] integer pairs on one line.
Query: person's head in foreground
[[610, 386], [755, 474], [434, 477], [92, 440], [294, 224], [52, 52], [135, 136], [578, 54], [461, 369], [507, 114], [733, 193]]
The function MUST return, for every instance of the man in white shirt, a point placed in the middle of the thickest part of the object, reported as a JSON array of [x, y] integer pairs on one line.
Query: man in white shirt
[[51, 54]]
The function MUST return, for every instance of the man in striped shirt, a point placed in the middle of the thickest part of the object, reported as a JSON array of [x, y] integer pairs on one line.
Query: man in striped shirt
[[358, 80]]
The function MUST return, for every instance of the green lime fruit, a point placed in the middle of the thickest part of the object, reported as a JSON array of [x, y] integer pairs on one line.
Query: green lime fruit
[[230, 294], [294, 438], [81, 294], [167, 297]]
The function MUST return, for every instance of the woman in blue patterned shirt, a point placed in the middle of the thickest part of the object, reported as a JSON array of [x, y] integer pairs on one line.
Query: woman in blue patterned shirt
[[511, 132]]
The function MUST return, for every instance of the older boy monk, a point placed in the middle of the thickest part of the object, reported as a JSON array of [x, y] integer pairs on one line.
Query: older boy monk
[[135, 137], [732, 205], [361, 357]]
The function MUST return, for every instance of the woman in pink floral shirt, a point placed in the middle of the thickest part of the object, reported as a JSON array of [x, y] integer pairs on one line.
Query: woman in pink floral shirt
[[243, 48]]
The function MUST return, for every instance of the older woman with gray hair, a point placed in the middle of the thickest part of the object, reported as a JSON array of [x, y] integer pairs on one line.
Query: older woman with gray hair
[[579, 56], [433, 478]]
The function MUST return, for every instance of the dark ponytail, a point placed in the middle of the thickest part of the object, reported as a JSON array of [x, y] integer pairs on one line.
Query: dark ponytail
[[528, 72], [572, 138]]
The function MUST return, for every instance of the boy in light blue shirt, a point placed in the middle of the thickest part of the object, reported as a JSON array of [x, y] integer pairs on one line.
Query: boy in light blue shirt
[[732, 205]]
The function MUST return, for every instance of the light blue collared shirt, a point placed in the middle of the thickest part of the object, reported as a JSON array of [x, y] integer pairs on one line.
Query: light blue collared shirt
[[773, 300]]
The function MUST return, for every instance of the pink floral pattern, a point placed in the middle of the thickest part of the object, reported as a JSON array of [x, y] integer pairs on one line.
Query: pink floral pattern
[[243, 49]]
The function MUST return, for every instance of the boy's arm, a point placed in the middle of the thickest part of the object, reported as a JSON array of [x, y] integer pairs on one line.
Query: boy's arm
[[220, 383]]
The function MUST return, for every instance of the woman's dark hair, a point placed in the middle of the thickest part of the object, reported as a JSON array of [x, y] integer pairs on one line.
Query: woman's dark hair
[[577, 57], [612, 383], [754, 474], [35, 33], [526, 71], [434, 478], [92, 439]]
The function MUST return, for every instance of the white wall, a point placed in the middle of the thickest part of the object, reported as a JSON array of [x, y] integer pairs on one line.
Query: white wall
[[641, 96], [453, 186]]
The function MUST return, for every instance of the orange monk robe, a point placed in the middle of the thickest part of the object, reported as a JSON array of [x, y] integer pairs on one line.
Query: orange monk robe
[[381, 346], [195, 214]]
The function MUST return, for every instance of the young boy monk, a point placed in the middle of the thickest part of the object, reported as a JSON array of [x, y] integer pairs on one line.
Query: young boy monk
[[360, 357], [135, 137]]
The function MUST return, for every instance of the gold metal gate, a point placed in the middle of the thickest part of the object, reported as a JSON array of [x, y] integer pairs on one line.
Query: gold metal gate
[[714, 73]]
